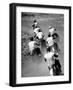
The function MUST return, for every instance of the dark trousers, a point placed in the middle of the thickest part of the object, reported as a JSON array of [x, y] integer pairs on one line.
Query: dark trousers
[[57, 67]]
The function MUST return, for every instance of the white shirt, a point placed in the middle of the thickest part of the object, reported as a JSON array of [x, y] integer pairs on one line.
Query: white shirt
[[31, 45], [40, 35], [36, 30], [48, 56], [50, 41], [51, 31], [35, 23]]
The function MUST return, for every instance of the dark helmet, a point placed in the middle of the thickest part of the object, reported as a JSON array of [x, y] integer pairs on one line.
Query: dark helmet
[[49, 35], [31, 38], [35, 21], [39, 30]]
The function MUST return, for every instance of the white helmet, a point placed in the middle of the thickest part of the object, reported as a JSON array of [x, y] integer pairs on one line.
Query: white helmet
[[50, 27]]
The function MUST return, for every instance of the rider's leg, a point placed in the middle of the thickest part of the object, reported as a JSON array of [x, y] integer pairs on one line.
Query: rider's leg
[[51, 71], [45, 59]]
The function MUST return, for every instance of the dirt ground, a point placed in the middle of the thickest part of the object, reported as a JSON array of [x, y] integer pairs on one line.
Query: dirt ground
[[35, 65]]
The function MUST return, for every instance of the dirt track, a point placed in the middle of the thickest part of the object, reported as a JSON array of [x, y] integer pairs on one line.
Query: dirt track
[[34, 65]]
